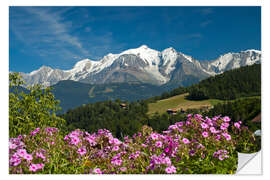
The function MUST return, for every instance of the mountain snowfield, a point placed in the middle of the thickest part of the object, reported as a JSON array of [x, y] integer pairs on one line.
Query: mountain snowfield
[[144, 65]]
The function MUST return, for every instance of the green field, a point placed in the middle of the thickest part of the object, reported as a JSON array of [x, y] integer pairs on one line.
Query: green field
[[179, 102]]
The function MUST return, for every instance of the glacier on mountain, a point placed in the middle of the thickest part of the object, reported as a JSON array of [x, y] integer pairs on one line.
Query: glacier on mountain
[[142, 64]]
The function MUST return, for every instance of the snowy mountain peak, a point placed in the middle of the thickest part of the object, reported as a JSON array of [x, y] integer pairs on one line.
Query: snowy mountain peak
[[169, 50], [41, 69], [235, 60], [145, 65], [82, 63], [143, 47]]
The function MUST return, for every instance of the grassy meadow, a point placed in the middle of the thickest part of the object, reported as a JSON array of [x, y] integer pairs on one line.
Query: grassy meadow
[[179, 102]]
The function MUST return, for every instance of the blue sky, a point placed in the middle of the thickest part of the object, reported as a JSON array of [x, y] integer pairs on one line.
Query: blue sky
[[60, 36]]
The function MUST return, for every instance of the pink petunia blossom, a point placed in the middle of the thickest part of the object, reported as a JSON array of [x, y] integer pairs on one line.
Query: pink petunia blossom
[[227, 136], [33, 133], [185, 141], [167, 161], [115, 148], [97, 171], [40, 165], [170, 170], [158, 144], [81, 151], [28, 157], [123, 169], [154, 136], [205, 134], [237, 125], [224, 126], [33, 167], [75, 140], [40, 155], [116, 141], [204, 125], [12, 146], [21, 152], [213, 130], [226, 119]]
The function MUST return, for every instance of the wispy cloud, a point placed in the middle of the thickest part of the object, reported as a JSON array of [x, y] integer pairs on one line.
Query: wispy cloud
[[205, 11], [44, 28], [194, 36], [205, 23], [53, 35]]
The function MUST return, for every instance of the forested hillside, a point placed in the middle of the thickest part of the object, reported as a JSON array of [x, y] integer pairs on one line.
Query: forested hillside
[[242, 82], [109, 115]]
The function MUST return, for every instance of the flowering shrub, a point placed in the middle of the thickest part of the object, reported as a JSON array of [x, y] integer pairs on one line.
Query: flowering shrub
[[198, 145]]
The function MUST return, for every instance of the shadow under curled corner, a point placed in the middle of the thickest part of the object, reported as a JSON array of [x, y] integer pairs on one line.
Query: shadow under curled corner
[[249, 164]]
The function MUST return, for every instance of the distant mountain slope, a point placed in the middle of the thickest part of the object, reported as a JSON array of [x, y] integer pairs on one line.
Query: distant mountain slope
[[73, 94], [144, 65]]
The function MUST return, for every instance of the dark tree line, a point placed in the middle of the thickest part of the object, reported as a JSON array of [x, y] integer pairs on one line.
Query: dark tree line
[[127, 121], [244, 110], [233, 84], [109, 115]]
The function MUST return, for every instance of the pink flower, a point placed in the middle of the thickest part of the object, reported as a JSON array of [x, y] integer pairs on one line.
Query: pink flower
[[170, 170], [154, 136], [81, 151], [179, 124], [21, 152], [40, 166], [33, 167], [205, 134], [28, 157], [167, 149], [66, 137], [123, 169], [172, 127], [167, 161], [158, 144], [40, 155], [117, 162], [226, 119], [92, 141], [237, 125], [227, 136], [224, 126], [33, 133], [218, 137], [204, 125], [126, 137], [111, 141], [97, 171], [213, 130], [115, 148], [144, 145], [116, 141], [12, 146], [185, 141], [191, 152], [15, 160], [75, 140]]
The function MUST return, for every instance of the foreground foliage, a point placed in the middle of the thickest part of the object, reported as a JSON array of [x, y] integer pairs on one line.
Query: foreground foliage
[[28, 111], [194, 146]]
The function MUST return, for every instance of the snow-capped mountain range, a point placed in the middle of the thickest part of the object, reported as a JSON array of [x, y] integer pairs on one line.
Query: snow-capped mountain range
[[145, 65]]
